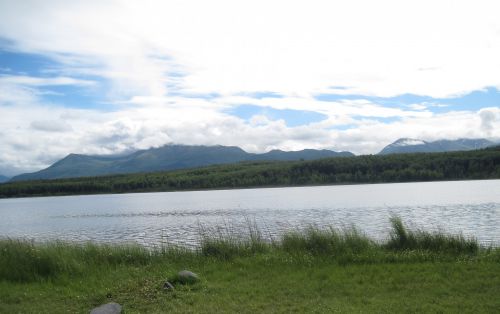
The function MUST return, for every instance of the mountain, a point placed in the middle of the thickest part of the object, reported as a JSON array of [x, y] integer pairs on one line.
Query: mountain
[[306, 154], [409, 145], [168, 157], [3, 178]]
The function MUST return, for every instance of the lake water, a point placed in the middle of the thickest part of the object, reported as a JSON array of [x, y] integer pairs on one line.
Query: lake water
[[469, 207]]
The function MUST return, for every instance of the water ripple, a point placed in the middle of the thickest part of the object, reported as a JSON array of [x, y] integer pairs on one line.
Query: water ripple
[[153, 219]]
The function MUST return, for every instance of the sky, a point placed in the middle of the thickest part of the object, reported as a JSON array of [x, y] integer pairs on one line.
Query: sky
[[110, 77]]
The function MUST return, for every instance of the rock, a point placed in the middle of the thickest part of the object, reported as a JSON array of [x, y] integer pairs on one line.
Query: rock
[[109, 308], [168, 286], [187, 277]]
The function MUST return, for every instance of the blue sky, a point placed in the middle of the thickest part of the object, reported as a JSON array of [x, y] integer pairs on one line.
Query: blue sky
[[103, 77], [292, 118], [475, 100], [94, 96]]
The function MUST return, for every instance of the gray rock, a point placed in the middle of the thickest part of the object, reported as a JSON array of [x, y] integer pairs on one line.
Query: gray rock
[[168, 286], [110, 308], [186, 277]]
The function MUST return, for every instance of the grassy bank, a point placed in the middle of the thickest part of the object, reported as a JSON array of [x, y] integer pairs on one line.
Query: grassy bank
[[313, 270], [470, 165]]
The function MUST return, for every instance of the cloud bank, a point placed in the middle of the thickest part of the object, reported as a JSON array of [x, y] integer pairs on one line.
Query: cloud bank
[[101, 77]]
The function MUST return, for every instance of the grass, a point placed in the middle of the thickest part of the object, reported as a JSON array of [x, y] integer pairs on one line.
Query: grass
[[313, 270], [329, 241], [404, 239], [224, 243]]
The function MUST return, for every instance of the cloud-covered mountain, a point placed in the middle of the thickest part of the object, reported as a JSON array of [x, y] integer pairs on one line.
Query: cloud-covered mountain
[[409, 145], [3, 178], [169, 157]]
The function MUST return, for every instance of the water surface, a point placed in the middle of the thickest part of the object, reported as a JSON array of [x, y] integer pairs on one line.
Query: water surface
[[469, 207]]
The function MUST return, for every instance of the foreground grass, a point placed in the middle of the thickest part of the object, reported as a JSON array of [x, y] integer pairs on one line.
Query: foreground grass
[[309, 271]]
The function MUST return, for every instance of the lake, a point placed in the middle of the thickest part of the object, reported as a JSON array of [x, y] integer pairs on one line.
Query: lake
[[151, 219]]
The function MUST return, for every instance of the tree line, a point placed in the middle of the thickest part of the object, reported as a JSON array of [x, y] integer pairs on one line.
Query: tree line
[[480, 164]]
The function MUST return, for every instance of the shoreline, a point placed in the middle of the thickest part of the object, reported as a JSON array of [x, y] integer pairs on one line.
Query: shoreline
[[238, 188], [471, 165], [317, 270]]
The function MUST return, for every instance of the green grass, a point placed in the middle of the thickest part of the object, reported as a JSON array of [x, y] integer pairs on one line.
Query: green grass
[[313, 270], [223, 243], [404, 239], [329, 242]]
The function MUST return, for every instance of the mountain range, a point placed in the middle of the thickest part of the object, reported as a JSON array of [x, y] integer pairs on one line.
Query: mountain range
[[172, 157], [409, 145], [168, 157], [3, 178]]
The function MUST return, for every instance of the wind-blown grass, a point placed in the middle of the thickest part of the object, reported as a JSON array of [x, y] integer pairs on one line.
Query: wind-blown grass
[[304, 271], [26, 261], [329, 241], [404, 239], [22, 260], [225, 243]]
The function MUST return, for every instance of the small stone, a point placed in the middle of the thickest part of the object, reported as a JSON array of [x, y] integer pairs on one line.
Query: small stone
[[187, 276], [168, 286], [109, 308]]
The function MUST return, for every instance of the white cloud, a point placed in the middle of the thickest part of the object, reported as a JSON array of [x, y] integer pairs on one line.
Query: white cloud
[[42, 81], [291, 47], [142, 127], [151, 53], [490, 119], [51, 126], [13, 94], [417, 106]]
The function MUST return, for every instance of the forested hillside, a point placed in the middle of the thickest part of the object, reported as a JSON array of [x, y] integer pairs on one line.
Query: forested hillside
[[164, 158], [480, 164]]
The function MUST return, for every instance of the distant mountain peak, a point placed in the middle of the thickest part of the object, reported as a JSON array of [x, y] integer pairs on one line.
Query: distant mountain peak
[[410, 145], [408, 142]]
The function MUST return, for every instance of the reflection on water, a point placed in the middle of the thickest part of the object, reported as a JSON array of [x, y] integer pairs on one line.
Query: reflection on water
[[469, 207]]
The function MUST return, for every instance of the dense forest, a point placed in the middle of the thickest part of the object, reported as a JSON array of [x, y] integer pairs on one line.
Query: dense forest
[[480, 164]]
